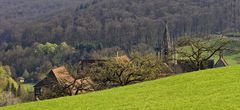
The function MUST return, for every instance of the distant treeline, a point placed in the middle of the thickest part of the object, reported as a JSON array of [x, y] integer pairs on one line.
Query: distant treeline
[[124, 22]]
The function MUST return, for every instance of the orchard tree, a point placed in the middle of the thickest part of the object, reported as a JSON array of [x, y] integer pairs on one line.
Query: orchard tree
[[198, 51], [121, 71]]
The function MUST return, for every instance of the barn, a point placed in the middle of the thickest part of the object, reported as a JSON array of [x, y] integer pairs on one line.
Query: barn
[[59, 82]]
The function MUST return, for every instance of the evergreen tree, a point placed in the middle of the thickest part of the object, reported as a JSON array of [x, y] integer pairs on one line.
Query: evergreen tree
[[13, 89], [25, 74], [7, 88], [19, 90]]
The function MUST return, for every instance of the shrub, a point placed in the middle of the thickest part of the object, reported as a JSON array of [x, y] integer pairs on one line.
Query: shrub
[[7, 98]]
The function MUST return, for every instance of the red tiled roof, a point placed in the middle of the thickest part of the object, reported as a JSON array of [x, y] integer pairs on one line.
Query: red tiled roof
[[62, 75]]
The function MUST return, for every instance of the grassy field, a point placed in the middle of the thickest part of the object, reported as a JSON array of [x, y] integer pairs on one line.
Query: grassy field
[[216, 89], [28, 87], [231, 59]]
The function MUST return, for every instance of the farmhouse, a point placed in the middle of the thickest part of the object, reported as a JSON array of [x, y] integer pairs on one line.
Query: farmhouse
[[59, 81]]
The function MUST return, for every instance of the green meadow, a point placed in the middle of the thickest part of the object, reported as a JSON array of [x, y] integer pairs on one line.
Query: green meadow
[[213, 89]]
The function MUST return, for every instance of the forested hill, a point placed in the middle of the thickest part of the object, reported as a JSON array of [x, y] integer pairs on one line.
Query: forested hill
[[80, 27], [119, 21], [32, 10]]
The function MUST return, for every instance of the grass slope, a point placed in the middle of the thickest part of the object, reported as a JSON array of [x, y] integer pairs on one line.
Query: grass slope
[[215, 89]]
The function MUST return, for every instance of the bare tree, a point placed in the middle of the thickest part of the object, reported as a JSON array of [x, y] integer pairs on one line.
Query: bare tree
[[199, 51], [120, 72], [82, 83]]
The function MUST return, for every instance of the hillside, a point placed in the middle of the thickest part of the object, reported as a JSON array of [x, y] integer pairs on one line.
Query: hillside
[[214, 89], [115, 22], [5, 78], [32, 10]]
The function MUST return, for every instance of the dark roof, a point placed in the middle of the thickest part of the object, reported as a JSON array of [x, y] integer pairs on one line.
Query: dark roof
[[41, 83]]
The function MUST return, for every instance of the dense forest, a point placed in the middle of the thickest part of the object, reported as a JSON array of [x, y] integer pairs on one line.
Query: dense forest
[[32, 10], [38, 35]]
